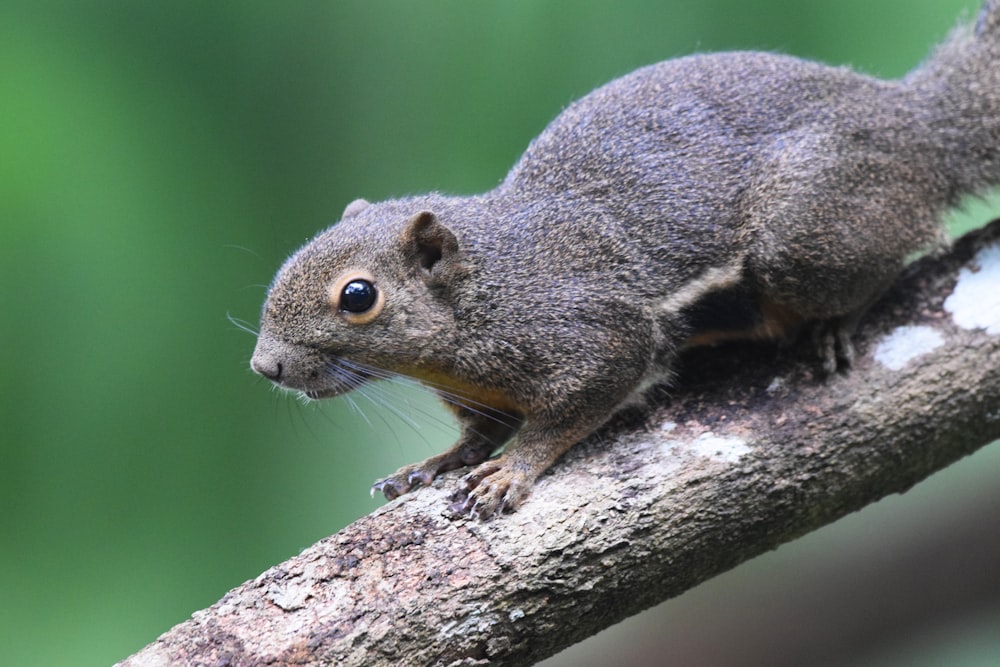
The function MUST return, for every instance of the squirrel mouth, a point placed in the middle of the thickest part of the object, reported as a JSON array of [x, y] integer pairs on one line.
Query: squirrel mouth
[[342, 378], [316, 394]]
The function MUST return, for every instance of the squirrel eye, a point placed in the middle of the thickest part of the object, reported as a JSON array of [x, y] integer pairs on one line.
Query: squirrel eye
[[358, 296], [355, 297]]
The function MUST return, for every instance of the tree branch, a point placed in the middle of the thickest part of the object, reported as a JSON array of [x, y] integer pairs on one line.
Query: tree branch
[[751, 450]]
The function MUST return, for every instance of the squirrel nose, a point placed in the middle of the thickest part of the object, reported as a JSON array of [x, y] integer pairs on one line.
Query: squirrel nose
[[266, 364]]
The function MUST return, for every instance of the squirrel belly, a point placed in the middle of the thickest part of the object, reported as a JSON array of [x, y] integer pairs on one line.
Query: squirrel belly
[[727, 316], [712, 197]]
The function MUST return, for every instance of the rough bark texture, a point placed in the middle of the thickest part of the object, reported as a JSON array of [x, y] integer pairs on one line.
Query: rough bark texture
[[750, 449]]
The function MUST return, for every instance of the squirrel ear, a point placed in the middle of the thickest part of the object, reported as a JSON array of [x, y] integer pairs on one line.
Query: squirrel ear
[[354, 208], [431, 246]]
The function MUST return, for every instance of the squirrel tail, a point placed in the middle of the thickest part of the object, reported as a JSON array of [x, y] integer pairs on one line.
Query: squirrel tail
[[958, 88]]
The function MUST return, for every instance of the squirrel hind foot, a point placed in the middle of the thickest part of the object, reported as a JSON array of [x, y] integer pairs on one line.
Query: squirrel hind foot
[[833, 344]]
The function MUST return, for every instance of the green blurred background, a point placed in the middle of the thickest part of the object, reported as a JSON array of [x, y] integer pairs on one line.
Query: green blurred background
[[158, 160]]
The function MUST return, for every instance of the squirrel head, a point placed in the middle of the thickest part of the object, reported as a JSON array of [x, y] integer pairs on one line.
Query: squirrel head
[[364, 299]]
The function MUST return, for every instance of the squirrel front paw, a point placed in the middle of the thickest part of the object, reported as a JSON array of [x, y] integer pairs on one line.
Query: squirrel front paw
[[492, 488], [470, 450], [407, 478]]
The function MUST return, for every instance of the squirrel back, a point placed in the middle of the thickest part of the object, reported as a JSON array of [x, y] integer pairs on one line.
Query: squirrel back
[[692, 201], [958, 89]]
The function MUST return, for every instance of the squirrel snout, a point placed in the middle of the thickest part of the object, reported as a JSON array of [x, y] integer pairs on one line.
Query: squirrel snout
[[290, 365], [266, 364]]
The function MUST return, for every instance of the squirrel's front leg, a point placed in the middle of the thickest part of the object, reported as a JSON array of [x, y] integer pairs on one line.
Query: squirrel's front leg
[[501, 484], [596, 373], [483, 432], [604, 367]]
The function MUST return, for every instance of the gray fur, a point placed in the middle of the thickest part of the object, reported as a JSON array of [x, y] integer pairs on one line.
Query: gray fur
[[542, 305]]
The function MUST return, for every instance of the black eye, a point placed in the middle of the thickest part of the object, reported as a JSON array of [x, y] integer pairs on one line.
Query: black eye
[[358, 296]]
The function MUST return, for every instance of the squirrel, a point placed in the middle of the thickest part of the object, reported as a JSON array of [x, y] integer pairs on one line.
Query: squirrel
[[709, 197]]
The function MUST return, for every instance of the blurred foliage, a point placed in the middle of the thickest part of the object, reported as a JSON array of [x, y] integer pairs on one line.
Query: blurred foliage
[[158, 160]]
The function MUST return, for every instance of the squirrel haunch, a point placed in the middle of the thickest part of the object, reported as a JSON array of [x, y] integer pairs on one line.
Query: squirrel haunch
[[691, 201]]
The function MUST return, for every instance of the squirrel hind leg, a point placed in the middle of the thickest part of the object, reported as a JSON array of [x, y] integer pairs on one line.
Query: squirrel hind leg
[[833, 344], [832, 339], [833, 336]]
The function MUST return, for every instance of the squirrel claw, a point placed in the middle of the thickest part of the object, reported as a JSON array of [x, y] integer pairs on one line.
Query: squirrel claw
[[405, 479], [459, 502], [420, 476], [387, 488], [468, 503], [491, 489], [833, 345]]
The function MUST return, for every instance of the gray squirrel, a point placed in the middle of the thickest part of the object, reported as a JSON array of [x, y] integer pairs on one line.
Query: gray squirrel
[[731, 195]]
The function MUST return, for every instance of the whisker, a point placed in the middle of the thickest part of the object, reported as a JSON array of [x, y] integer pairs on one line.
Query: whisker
[[255, 286], [351, 380], [466, 402], [233, 246], [357, 409], [367, 393], [350, 375], [380, 399], [242, 325], [383, 395]]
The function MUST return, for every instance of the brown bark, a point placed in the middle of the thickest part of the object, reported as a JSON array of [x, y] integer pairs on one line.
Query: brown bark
[[750, 449]]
